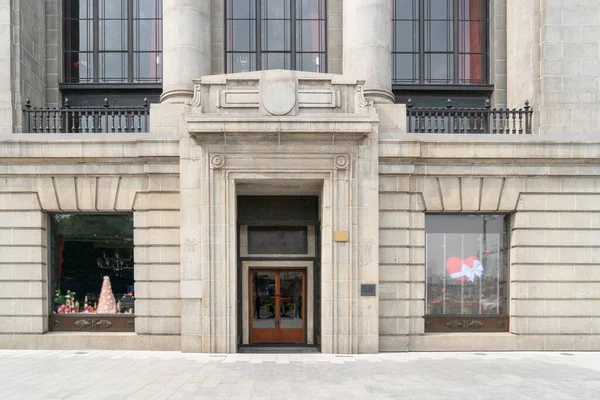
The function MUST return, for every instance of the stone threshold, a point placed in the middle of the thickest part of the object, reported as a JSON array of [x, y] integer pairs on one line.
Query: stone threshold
[[278, 349]]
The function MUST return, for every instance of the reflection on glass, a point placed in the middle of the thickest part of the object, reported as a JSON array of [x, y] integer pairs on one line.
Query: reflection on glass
[[241, 8], [439, 9], [113, 9], [275, 9], [438, 68], [290, 284], [147, 67], [147, 8], [81, 36], [81, 8], [276, 60], [407, 33], [79, 66], [239, 62], [471, 68], [92, 264], [241, 35], [308, 62], [402, 8], [275, 35], [438, 36], [471, 9], [466, 264], [309, 9], [406, 67], [145, 32], [113, 35], [113, 67], [263, 300]]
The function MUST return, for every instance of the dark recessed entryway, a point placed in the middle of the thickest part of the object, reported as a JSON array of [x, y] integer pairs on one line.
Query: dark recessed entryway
[[278, 296]]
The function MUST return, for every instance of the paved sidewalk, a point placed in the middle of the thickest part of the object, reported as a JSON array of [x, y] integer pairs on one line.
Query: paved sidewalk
[[422, 376]]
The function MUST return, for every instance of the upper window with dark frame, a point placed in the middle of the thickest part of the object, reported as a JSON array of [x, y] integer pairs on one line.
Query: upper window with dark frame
[[440, 42], [275, 34], [112, 41]]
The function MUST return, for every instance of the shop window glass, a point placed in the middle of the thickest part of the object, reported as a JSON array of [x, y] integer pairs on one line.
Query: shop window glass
[[91, 272], [466, 272]]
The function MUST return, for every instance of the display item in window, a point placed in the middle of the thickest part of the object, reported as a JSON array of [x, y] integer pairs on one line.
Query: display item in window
[[464, 270], [106, 303]]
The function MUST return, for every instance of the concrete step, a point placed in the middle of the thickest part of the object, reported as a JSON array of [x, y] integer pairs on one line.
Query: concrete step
[[278, 349]]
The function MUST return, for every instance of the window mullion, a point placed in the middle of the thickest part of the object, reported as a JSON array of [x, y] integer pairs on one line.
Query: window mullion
[[485, 36], [421, 41], [96, 40], [293, 65], [258, 16], [130, 41], [456, 41]]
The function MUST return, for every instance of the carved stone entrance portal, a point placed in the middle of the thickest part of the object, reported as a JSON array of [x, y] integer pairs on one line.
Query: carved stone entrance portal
[[279, 131]]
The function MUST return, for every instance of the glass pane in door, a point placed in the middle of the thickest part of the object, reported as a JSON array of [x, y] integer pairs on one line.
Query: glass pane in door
[[291, 289], [263, 300]]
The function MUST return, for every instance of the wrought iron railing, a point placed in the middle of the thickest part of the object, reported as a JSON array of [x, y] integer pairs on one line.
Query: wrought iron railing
[[451, 119], [93, 119]]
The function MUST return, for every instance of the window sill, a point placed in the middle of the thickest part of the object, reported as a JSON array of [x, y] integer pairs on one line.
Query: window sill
[[88, 333], [110, 86], [444, 88], [466, 323], [454, 334], [94, 323]]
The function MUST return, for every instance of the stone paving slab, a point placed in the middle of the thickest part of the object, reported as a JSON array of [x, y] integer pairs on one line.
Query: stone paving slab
[[40, 374]]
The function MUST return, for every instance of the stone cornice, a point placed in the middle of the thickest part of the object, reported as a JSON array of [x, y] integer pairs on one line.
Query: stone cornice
[[350, 126], [484, 148], [51, 147]]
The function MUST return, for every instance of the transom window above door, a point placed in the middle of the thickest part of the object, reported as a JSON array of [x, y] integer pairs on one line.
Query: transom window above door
[[440, 42], [275, 34]]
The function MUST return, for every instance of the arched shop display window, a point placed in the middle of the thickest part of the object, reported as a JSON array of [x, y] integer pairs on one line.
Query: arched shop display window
[[91, 272], [466, 273]]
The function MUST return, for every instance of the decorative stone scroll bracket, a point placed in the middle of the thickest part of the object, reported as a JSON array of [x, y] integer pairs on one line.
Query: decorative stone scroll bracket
[[196, 100], [361, 100]]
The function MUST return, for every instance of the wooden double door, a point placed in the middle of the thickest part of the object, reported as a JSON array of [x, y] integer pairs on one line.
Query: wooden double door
[[277, 306]]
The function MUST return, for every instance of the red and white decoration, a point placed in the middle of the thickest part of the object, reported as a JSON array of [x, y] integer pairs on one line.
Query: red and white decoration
[[464, 270], [64, 309], [106, 303]]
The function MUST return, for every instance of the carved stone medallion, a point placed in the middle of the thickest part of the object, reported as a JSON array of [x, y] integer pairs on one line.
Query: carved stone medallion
[[341, 162], [217, 161]]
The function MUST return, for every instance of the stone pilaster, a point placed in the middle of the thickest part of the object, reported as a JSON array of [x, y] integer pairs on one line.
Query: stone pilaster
[[368, 46], [186, 47], [22, 60]]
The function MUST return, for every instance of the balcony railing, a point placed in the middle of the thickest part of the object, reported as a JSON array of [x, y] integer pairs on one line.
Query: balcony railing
[[451, 119], [70, 119]]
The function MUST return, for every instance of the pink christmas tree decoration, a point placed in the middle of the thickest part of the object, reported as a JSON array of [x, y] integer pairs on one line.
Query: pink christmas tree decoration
[[106, 303]]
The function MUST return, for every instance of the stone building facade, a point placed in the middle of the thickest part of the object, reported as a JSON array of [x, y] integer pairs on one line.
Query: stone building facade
[[299, 204]]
